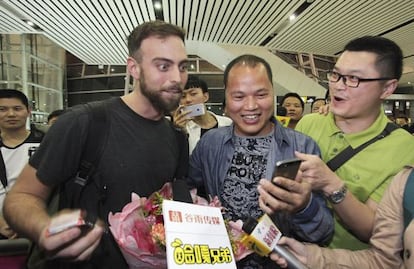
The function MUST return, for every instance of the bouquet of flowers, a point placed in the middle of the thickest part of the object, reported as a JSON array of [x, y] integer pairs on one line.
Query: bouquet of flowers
[[139, 229]]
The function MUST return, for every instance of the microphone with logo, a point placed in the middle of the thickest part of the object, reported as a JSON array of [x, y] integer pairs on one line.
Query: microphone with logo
[[262, 237]]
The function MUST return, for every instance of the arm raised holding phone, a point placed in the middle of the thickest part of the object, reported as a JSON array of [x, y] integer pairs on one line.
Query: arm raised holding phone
[[183, 114], [285, 191], [294, 195]]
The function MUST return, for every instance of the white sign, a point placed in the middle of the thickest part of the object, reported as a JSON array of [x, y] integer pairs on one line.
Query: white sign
[[196, 237]]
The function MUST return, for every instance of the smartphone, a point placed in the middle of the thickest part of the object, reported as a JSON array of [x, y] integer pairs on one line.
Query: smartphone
[[67, 221], [195, 110], [287, 168]]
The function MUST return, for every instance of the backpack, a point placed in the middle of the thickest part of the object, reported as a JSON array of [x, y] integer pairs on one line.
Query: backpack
[[95, 144]]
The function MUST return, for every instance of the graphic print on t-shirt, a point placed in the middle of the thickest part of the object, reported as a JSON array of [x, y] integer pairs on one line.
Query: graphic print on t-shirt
[[239, 193]]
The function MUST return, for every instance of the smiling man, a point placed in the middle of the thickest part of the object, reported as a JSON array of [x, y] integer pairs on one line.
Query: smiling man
[[365, 74], [236, 162]]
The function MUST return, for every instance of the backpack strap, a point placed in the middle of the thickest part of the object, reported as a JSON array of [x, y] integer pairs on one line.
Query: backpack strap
[[349, 152], [3, 174], [408, 200], [94, 146], [91, 155]]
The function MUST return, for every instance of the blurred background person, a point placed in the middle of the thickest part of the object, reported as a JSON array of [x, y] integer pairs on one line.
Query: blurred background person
[[294, 106], [196, 92], [53, 116], [402, 121], [316, 104], [17, 145]]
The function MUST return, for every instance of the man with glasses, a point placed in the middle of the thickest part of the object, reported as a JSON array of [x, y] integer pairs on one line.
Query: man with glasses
[[365, 74]]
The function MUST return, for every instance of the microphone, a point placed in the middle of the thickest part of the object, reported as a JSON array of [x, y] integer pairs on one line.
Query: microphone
[[262, 238], [181, 192]]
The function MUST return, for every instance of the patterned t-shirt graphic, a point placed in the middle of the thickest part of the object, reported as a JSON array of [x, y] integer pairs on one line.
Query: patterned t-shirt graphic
[[239, 194]]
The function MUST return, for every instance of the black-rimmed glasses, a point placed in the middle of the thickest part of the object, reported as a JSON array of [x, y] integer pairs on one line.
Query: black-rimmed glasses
[[350, 80]]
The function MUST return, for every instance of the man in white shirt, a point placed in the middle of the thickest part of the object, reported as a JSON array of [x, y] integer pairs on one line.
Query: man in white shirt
[[17, 144], [196, 92]]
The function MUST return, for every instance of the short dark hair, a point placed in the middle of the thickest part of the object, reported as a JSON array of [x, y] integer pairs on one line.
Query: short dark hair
[[390, 56], [153, 28], [251, 61], [317, 99], [55, 113], [12, 93], [293, 94], [196, 82]]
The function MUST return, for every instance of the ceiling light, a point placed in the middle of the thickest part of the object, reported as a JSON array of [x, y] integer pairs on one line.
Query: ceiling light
[[157, 5], [292, 17], [33, 25]]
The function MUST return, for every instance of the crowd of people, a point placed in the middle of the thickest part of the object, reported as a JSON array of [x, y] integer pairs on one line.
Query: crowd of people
[[345, 208]]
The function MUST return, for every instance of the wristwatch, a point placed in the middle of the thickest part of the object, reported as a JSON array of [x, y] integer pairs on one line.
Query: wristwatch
[[338, 196]]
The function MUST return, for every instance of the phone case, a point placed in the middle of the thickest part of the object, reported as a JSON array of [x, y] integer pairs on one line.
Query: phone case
[[196, 110]]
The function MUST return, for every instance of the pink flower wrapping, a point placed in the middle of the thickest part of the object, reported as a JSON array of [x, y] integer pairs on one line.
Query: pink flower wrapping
[[139, 229]]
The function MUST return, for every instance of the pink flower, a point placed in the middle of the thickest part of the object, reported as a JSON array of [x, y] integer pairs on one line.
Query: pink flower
[[135, 230], [234, 229], [158, 234]]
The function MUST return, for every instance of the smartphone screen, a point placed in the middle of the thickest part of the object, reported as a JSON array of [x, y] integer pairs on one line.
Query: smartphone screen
[[287, 168]]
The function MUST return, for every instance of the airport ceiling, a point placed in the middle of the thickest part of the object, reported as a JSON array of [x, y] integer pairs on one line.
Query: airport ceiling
[[95, 31]]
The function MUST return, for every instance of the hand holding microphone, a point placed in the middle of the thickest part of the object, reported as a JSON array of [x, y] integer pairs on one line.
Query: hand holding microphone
[[262, 237]]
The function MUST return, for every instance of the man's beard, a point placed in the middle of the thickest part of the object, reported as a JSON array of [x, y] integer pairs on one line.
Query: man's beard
[[163, 105]]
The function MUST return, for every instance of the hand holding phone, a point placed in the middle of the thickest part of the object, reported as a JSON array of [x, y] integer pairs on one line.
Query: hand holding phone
[[67, 220], [79, 246], [298, 193]]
